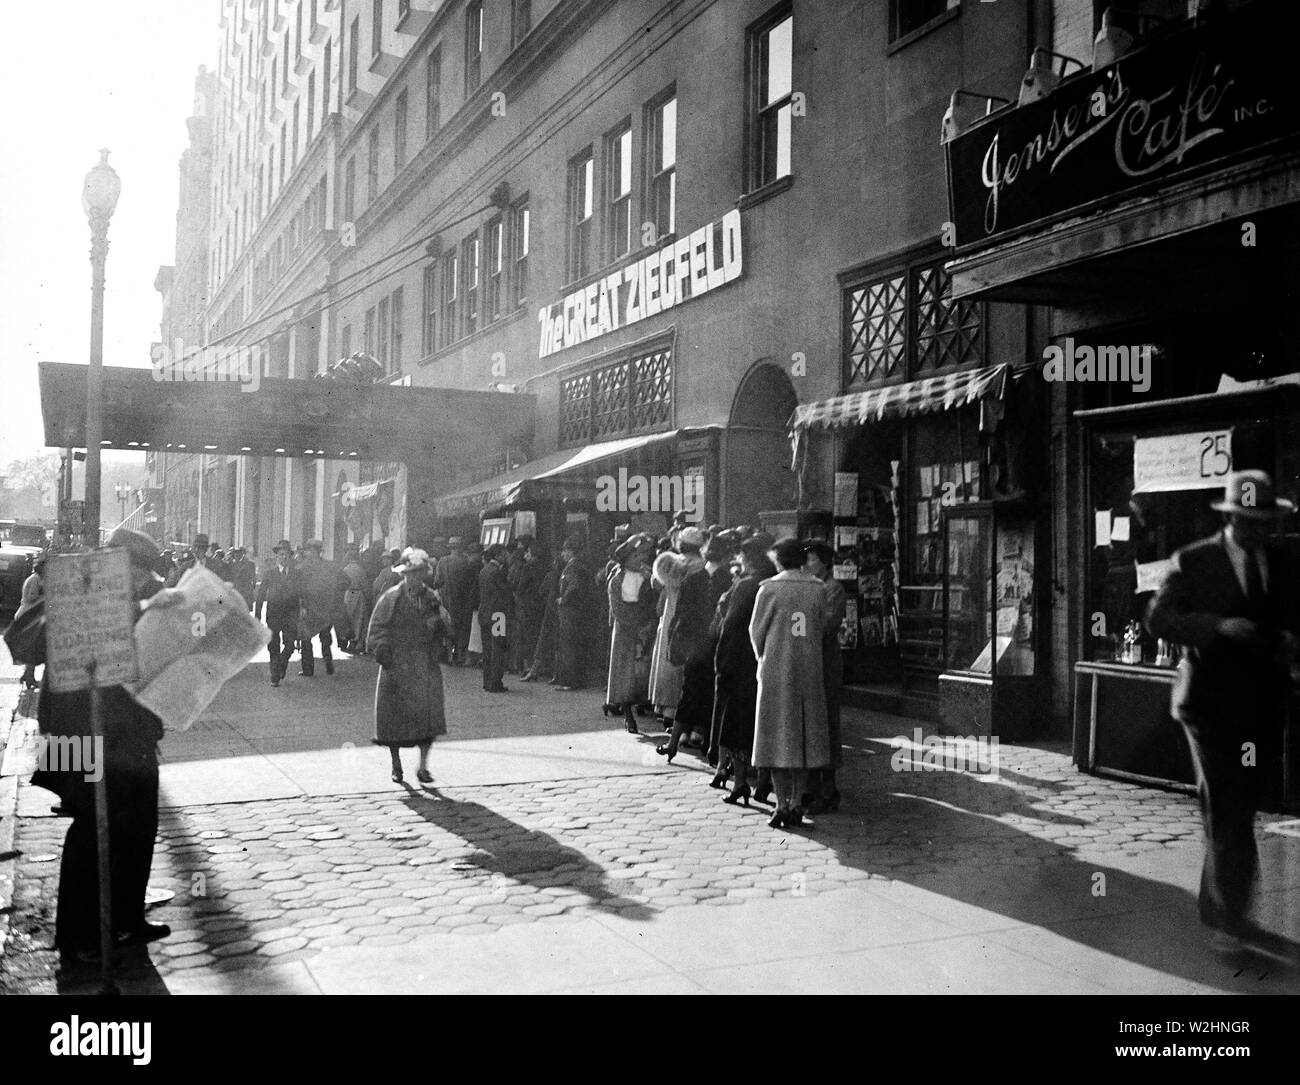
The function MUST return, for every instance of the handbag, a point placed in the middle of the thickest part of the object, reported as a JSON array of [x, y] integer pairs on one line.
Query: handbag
[[25, 637]]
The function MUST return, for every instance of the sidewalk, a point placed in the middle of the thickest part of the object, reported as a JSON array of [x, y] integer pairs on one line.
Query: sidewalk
[[555, 853]]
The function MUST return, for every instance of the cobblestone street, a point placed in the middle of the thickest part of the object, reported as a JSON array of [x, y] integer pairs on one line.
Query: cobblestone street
[[580, 861]]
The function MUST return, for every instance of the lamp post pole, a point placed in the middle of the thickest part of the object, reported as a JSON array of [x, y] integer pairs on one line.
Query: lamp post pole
[[98, 199]]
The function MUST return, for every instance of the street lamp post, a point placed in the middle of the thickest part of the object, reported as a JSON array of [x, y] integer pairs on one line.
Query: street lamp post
[[98, 199], [123, 494]]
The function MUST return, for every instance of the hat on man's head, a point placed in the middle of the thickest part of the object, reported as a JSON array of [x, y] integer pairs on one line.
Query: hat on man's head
[[1250, 494], [789, 553], [691, 536], [143, 550], [413, 560], [201, 542], [238, 550], [719, 547], [314, 544], [283, 544]]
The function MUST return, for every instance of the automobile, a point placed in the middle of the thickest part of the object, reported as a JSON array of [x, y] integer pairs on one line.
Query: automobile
[[20, 545]]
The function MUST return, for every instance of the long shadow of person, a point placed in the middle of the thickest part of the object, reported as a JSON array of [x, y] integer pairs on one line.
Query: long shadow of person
[[959, 836], [505, 848]]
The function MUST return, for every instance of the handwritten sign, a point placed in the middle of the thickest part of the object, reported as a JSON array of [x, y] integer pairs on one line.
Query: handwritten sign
[[1182, 461], [89, 619], [1151, 575]]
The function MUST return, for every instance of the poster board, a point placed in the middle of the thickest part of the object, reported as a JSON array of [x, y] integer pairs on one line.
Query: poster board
[[89, 619]]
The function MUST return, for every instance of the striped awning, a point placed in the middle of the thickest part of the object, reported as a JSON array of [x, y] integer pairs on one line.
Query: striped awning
[[944, 393]]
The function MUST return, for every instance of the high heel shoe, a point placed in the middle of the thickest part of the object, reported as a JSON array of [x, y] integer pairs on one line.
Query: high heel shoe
[[720, 779], [763, 794], [741, 794], [610, 710], [778, 820], [424, 776], [632, 728], [665, 750], [397, 776]]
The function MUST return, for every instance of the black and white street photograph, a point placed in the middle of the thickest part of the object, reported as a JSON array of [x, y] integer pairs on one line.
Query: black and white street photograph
[[652, 497]]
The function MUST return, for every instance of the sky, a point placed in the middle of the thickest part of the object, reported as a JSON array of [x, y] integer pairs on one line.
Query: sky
[[78, 76]]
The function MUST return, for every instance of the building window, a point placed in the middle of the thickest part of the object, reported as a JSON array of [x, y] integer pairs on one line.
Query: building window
[[905, 325], [396, 362], [382, 329], [311, 104], [521, 21], [772, 52], [628, 397], [370, 330], [661, 135], [519, 231], [399, 132], [618, 193], [495, 268], [450, 285], [284, 144], [354, 53], [350, 190], [469, 257], [433, 93], [296, 115], [325, 83], [581, 174], [473, 47], [429, 311], [908, 15], [297, 33], [345, 342], [377, 31], [372, 167]]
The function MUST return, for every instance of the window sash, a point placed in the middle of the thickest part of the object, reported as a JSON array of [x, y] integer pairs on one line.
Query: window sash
[[399, 132], [397, 316], [429, 311], [433, 93], [522, 241], [382, 330]]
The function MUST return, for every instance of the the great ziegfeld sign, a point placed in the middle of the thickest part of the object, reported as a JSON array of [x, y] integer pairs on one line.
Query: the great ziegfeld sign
[[1207, 93]]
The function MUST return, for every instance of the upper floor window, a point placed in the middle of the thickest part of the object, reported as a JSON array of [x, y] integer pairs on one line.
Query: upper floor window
[[377, 29], [382, 332], [395, 365], [618, 192], [661, 136], [496, 244], [429, 311], [772, 50], [450, 286], [469, 257], [311, 104], [345, 341], [433, 93], [908, 15], [325, 79], [354, 54], [581, 175], [521, 20], [473, 46], [399, 132], [520, 242], [372, 167], [350, 190], [905, 324]]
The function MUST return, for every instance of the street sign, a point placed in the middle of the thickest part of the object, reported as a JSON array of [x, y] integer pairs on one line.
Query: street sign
[[89, 619]]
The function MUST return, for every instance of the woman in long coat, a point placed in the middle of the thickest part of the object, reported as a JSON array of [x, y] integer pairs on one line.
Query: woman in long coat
[[735, 695], [790, 735], [670, 569], [632, 617], [820, 562], [406, 632]]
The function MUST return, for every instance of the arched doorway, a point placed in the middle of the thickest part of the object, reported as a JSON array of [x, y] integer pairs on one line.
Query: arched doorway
[[758, 476]]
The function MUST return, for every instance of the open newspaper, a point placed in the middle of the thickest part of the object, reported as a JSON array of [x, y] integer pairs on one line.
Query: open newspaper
[[188, 651]]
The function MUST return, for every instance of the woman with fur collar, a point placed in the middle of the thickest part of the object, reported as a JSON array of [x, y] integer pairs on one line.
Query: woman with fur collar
[[670, 569]]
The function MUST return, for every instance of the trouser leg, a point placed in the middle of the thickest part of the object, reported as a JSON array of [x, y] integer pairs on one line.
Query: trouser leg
[[308, 659], [133, 800], [76, 924]]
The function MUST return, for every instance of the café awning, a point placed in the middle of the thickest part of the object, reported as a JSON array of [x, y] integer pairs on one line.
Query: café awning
[[947, 392], [568, 473]]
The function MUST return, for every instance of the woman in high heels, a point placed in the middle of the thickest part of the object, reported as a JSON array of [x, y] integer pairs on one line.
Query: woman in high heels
[[736, 684], [786, 629], [670, 569], [632, 618], [406, 632]]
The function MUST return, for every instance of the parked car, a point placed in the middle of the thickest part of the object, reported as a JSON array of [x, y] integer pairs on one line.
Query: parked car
[[20, 545]]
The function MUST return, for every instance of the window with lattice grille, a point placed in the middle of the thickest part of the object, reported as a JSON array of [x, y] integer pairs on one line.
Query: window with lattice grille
[[906, 325], [628, 397]]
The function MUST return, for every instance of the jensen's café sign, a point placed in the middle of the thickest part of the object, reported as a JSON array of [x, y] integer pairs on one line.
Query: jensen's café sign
[[674, 273], [1209, 92]]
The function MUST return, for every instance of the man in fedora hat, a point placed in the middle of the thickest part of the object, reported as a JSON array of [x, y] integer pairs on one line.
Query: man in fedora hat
[[322, 603], [1231, 599], [280, 592], [242, 573]]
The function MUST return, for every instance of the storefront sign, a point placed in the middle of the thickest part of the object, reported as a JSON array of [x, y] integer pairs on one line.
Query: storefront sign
[[1182, 461], [89, 620], [1213, 91], [676, 272]]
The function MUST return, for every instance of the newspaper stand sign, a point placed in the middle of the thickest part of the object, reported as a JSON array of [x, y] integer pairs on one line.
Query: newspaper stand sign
[[89, 618]]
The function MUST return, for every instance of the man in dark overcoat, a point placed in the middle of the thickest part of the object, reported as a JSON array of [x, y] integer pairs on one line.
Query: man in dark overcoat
[[280, 593], [496, 605]]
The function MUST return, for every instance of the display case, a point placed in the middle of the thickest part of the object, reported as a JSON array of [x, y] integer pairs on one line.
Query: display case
[[990, 680]]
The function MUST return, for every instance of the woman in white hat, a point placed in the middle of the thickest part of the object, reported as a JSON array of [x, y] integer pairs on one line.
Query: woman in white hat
[[669, 570], [406, 632]]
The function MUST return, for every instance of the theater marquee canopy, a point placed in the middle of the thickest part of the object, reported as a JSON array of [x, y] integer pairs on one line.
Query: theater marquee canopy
[[333, 419]]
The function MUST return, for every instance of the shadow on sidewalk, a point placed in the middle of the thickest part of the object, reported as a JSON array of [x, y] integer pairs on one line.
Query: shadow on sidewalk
[[952, 822], [522, 855]]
